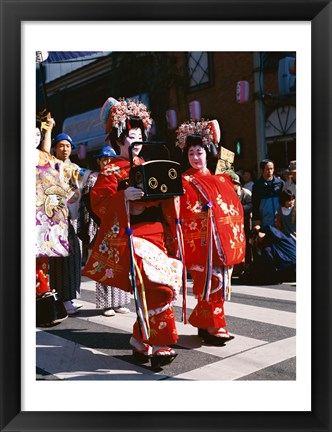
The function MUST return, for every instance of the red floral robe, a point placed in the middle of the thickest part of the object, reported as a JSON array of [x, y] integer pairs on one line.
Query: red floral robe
[[154, 248], [214, 240]]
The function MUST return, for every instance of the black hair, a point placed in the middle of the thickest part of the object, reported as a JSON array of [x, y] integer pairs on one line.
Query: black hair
[[285, 195], [196, 140], [210, 150], [265, 162], [133, 122]]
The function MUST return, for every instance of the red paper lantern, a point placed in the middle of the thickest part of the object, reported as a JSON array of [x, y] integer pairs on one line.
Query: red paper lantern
[[195, 110], [171, 119], [242, 91], [153, 129], [81, 151]]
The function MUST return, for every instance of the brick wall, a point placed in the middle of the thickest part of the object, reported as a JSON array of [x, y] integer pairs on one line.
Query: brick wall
[[218, 100]]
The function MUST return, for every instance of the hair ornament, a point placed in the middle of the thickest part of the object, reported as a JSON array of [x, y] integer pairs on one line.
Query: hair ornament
[[106, 108], [208, 130], [116, 113]]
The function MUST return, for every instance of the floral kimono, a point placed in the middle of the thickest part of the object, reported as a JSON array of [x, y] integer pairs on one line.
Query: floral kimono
[[55, 185], [135, 250], [214, 240]]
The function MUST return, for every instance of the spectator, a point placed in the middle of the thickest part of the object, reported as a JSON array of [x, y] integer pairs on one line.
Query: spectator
[[247, 179], [274, 246], [290, 184], [275, 259], [281, 174], [265, 195], [65, 273], [245, 198], [286, 214]]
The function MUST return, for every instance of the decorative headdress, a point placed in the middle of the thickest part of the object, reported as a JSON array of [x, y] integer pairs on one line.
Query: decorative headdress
[[208, 130], [116, 113]]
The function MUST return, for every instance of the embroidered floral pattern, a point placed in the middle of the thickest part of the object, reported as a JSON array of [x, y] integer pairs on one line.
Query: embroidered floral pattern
[[227, 209], [110, 169], [191, 244], [204, 224], [115, 229], [158, 267], [109, 273], [51, 213], [103, 247], [238, 230], [192, 225], [197, 207], [218, 311], [162, 325], [108, 252], [98, 266], [226, 216]]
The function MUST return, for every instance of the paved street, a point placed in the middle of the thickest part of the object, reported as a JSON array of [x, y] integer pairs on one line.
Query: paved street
[[89, 346]]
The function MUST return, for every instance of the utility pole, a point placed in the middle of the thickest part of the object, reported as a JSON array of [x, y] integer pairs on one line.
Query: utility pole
[[259, 108]]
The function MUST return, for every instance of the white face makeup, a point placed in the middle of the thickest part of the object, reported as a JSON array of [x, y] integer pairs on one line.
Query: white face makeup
[[134, 134], [197, 157], [38, 137]]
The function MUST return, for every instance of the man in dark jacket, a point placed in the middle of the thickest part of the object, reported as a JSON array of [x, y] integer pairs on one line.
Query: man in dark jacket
[[265, 195]]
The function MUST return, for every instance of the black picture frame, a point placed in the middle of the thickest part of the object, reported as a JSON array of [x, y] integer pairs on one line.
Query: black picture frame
[[13, 12]]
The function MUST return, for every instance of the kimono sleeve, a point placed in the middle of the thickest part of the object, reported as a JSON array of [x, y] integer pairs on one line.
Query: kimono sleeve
[[102, 192]]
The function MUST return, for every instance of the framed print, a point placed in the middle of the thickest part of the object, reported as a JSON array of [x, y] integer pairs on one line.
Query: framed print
[[92, 405]]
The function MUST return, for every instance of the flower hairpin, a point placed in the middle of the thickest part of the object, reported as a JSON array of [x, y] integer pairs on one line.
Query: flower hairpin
[[115, 113], [208, 130]]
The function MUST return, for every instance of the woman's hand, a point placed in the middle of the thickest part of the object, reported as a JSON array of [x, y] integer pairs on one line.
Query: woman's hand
[[132, 193], [50, 122]]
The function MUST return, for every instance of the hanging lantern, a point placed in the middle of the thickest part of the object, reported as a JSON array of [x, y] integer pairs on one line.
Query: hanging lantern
[[81, 151], [242, 92], [171, 119], [153, 129], [195, 110]]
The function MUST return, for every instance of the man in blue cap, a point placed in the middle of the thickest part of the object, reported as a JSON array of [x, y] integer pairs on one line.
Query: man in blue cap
[[65, 273], [62, 146]]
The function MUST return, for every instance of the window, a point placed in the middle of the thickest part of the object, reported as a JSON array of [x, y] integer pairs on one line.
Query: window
[[198, 65]]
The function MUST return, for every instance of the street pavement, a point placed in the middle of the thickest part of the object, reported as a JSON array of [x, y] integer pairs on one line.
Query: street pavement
[[89, 346]]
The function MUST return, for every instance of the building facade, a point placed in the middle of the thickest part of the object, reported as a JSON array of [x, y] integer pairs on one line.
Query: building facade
[[252, 95]]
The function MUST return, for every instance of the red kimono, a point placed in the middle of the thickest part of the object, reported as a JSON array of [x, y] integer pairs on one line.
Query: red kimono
[[214, 240], [131, 243]]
